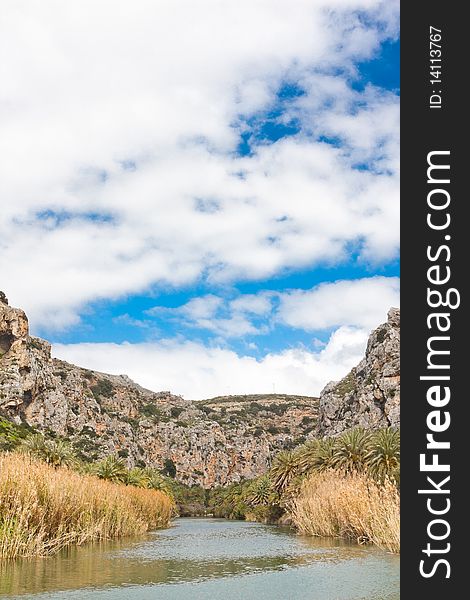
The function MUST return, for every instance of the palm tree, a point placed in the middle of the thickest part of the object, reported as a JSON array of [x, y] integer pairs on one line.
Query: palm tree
[[137, 477], [35, 445], [308, 456], [112, 469], [235, 502], [383, 457], [261, 491], [323, 458], [351, 449], [284, 469], [85, 468], [60, 453], [57, 453], [157, 481]]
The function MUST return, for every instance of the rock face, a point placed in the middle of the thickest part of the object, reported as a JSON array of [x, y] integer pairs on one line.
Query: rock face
[[209, 443], [369, 396]]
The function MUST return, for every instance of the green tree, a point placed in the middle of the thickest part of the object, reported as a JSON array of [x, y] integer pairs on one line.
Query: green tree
[[383, 457], [307, 456], [261, 491], [137, 477], [157, 481], [169, 468], [112, 469], [351, 449], [57, 453], [324, 457], [284, 469]]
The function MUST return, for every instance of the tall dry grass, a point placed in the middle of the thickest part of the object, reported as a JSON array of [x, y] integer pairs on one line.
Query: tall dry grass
[[43, 509], [351, 506]]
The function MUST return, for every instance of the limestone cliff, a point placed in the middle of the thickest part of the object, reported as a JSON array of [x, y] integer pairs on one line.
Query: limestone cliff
[[209, 443], [369, 396]]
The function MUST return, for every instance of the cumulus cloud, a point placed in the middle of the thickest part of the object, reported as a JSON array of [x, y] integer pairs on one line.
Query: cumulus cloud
[[211, 312], [256, 304], [197, 372], [360, 303], [351, 308], [197, 308], [120, 127]]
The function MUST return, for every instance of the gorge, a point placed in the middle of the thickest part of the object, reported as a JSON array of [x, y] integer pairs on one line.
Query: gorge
[[208, 443]]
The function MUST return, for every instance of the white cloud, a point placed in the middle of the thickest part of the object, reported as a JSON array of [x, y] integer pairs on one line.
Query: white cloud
[[197, 372], [210, 312], [123, 118], [126, 319], [199, 308], [361, 303], [256, 304]]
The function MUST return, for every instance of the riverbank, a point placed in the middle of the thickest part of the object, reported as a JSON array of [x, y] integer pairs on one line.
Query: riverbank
[[44, 509], [351, 506], [345, 487], [332, 504]]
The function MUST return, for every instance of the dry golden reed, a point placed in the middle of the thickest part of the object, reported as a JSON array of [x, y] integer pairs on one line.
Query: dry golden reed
[[43, 509], [351, 506]]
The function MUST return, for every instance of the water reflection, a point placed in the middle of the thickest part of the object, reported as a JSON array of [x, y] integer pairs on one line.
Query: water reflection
[[205, 552]]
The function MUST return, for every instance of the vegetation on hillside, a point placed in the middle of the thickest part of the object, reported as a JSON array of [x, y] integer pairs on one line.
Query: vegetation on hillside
[[11, 435]]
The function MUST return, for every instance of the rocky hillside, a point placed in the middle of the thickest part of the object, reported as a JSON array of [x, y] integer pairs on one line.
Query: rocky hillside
[[214, 442], [369, 396]]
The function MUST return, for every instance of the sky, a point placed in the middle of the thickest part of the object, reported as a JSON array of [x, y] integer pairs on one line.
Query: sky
[[202, 195]]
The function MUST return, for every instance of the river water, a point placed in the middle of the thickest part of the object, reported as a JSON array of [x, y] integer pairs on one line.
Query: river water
[[208, 559]]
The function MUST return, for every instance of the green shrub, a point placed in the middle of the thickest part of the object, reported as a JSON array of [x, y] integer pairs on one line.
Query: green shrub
[[111, 469], [150, 410], [103, 387], [169, 468], [54, 452], [11, 434]]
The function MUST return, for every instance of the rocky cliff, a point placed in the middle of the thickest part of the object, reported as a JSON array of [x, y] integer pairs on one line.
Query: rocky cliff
[[215, 442], [212, 442], [369, 396]]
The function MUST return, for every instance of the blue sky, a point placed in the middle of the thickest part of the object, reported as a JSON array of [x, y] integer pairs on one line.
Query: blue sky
[[105, 321], [127, 319], [208, 222]]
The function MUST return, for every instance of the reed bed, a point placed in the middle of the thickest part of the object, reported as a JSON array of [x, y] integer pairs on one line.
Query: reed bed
[[44, 509], [350, 506]]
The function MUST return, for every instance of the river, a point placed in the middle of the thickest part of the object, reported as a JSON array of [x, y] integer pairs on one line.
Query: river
[[208, 559]]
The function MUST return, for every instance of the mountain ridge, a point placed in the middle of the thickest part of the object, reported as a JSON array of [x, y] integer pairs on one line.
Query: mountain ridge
[[210, 442], [213, 442]]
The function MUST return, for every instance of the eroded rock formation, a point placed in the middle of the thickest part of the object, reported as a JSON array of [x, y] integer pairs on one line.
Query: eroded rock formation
[[209, 443], [213, 442], [369, 396]]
